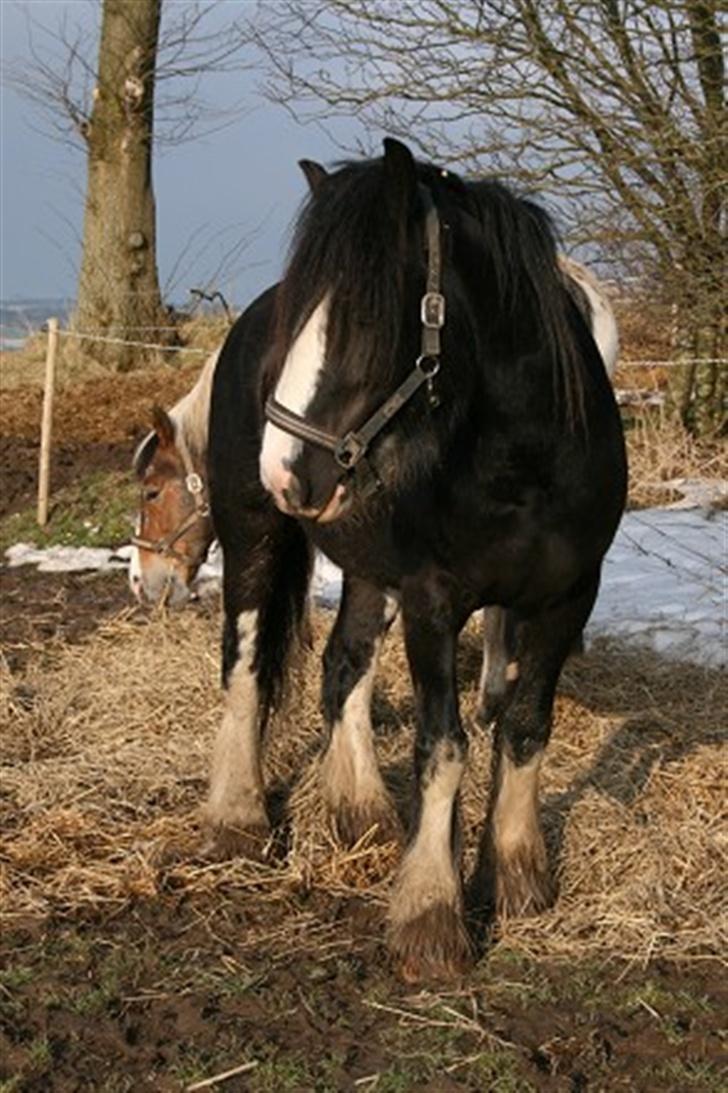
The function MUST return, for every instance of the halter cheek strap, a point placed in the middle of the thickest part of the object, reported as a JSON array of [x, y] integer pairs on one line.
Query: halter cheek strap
[[350, 450]]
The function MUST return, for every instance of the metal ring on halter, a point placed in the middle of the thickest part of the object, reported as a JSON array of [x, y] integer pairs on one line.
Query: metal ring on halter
[[349, 451], [434, 365]]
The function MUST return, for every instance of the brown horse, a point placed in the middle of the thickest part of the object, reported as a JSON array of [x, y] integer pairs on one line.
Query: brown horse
[[173, 526]]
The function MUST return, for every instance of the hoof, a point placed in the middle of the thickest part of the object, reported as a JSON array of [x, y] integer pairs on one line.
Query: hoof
[[225, 842], [434, 947], [523, 884], [351, 822]]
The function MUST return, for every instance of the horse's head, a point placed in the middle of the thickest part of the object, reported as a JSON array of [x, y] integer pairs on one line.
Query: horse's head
[[173, 528], [357, 335]]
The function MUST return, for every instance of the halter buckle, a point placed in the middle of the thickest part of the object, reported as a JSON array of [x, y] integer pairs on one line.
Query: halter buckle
[[432, 310], [349, 451], [194, 483]]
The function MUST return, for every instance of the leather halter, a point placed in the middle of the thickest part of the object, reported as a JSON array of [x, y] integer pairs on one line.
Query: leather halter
[[196, 488], [349, 450]]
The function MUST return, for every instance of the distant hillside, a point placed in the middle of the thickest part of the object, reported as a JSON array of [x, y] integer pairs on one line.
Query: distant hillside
[[21, 317]]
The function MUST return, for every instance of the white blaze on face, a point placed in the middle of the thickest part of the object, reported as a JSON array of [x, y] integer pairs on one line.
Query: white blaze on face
[[295, 390]]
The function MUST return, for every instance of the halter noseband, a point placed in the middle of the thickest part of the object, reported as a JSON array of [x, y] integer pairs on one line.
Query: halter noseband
[[349, 451], [196, 488]]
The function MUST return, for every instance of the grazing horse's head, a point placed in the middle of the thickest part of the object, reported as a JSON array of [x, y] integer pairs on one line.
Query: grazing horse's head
[[358, 315], [174, 528]]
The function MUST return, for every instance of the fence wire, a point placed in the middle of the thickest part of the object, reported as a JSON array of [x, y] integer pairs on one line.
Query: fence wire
[[99, 336]]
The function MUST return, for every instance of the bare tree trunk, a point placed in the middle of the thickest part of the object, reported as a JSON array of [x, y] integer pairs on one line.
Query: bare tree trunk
[[118, 290], [681, 377]]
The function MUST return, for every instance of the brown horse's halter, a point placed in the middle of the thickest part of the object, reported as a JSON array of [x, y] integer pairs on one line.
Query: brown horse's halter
[[350, 450], [196, 488]]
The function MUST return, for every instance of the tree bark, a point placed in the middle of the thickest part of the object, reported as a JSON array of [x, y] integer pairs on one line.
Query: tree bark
[[118, 290]]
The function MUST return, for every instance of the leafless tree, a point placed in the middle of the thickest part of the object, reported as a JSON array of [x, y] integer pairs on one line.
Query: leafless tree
[[614, 108], [117, 89]]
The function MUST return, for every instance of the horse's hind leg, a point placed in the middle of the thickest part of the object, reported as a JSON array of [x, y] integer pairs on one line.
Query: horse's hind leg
[[355, 794], [500, 669], [514, 853], [264, 590]]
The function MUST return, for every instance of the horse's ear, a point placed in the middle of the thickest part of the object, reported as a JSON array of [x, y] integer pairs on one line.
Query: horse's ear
[[400, 173], [314, 172], [163, 426]]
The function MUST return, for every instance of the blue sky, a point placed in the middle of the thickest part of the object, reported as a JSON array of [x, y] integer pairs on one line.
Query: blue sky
[[238, 183]]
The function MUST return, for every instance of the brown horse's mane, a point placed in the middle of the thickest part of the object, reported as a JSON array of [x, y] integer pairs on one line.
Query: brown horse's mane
[[190, 416]]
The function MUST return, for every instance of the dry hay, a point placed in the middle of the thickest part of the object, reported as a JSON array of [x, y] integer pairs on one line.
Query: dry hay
[[659, 452], [105, 760]]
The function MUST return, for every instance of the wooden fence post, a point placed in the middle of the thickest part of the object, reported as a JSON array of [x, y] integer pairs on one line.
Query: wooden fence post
[[46, 423]]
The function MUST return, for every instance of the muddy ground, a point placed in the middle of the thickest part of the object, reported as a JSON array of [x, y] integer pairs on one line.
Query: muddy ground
[[160, 994]]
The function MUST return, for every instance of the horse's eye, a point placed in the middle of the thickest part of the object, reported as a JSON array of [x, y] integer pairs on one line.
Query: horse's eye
[[151, 494]]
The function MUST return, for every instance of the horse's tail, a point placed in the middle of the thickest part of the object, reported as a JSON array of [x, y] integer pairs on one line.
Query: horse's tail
[[284, 614]]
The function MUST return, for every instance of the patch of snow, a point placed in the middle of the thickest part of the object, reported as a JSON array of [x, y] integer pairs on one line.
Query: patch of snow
[[665, 584], [67, 559], [664, 580]]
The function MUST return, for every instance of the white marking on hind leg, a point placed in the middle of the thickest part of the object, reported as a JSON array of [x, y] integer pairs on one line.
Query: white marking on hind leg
[[236, 798]]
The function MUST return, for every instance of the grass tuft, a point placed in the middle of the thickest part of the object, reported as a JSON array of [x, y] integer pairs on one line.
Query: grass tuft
[[96, 511]]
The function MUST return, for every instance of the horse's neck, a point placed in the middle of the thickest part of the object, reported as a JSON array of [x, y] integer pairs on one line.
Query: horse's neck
[[191, 414]]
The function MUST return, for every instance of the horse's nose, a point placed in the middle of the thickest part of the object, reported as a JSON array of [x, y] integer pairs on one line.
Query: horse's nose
[[295, 494]]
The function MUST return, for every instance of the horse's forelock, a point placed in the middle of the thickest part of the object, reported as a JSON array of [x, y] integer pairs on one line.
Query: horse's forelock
[[344, 248]]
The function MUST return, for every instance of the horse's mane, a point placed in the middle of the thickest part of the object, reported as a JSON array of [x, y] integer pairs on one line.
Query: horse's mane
[[521, 247], [346, 244], [190, 415]]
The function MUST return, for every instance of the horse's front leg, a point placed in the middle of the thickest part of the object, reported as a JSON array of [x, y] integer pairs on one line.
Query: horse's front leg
[[355, 794], [515, 871], [264, 594], [427, 935]]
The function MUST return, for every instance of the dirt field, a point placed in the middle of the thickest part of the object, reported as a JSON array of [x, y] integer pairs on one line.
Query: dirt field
[[130, 963]]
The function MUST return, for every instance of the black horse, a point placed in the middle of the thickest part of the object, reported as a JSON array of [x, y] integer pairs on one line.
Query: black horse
[[421, 399]]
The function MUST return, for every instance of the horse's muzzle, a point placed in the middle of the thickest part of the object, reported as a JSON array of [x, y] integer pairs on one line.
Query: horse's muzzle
[[290, 501]]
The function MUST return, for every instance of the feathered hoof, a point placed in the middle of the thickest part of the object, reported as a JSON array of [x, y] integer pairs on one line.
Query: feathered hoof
[[224, 842], [524, 884], [351, 822], [434, 947]]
